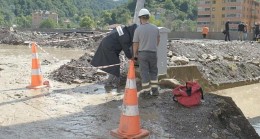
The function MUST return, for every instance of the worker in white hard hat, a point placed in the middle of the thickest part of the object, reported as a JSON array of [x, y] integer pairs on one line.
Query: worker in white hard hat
[[145, 42]]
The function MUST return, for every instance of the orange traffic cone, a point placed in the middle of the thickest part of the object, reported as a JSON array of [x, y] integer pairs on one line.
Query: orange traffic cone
[[36, 80], [129, 126]]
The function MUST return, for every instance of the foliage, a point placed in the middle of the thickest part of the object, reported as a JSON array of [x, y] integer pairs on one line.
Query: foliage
[[13, 11], [168, 4], [87, 22], [1, 20], [168, 13], [48, 23], [24, 21], [186, 25], [155, 21], [172, 14]]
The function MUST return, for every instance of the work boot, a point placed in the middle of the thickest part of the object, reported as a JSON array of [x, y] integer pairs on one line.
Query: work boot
[[145, 95], [112, 81], [155, 92]]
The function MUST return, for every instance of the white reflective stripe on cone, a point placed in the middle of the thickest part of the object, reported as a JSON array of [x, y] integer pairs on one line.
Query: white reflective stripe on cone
[[36, 72], [130, 84], [130, 110], [34, 55]]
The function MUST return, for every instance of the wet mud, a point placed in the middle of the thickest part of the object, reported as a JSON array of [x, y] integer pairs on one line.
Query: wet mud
[[91, 111], [216, 117]]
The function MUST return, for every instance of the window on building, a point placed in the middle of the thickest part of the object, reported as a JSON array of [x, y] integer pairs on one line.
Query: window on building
[[213, 16], [232, 15], [235, 22], [207, 2], [213, 9], [214, 2], [232, 8], [233, 0], [203, 23], [223, 15], [207, 9], [203, 16], [223, 8]]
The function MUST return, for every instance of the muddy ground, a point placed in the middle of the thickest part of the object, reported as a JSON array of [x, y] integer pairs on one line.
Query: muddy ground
[[216, 117], [218, 61]]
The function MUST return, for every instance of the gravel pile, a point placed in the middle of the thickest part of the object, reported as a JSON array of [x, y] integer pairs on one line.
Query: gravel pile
[[79, 71], [76, 72], [219, 61], [74, 40]]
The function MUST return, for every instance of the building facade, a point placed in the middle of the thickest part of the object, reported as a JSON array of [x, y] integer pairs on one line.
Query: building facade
[[215, 13], [39, 16]]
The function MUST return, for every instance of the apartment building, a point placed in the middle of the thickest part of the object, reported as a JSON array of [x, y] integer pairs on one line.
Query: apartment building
[[39, 16], [215, 13]]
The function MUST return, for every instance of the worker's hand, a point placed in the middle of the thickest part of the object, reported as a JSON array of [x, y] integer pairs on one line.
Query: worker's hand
[[134, 59]]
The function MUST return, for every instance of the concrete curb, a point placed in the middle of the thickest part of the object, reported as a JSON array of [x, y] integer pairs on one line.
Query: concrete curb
[[191, 72]]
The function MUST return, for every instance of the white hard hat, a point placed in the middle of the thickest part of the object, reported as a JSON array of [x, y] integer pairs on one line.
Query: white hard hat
[[143, 12]]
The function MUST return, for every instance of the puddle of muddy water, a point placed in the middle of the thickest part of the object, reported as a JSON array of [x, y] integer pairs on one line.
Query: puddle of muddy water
[[257, 128]]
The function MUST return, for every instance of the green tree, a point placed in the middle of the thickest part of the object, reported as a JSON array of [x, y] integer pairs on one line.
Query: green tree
[[87, 22], [1, 20], [154, 21], [125, 18], [48, 23], [184, 6], [105, 18], [186, 25], [68, 26], [181, 15], [24, 22], [168, 5]]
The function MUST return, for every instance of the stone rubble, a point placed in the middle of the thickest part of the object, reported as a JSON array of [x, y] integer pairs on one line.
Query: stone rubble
[[219, 61], [74, 40]]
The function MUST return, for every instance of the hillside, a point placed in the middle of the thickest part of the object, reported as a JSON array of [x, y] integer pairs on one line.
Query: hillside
[[173, 14], [11, 11], [169, 13]]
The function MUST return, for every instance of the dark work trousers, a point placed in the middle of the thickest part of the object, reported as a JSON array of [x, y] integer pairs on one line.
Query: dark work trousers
[[148, 70], [204, 36], [227, 37]]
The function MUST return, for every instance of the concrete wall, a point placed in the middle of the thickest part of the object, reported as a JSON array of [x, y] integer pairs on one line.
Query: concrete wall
[[211, 35]]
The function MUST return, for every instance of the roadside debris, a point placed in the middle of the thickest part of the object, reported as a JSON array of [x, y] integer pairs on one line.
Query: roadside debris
[[218, 60]]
